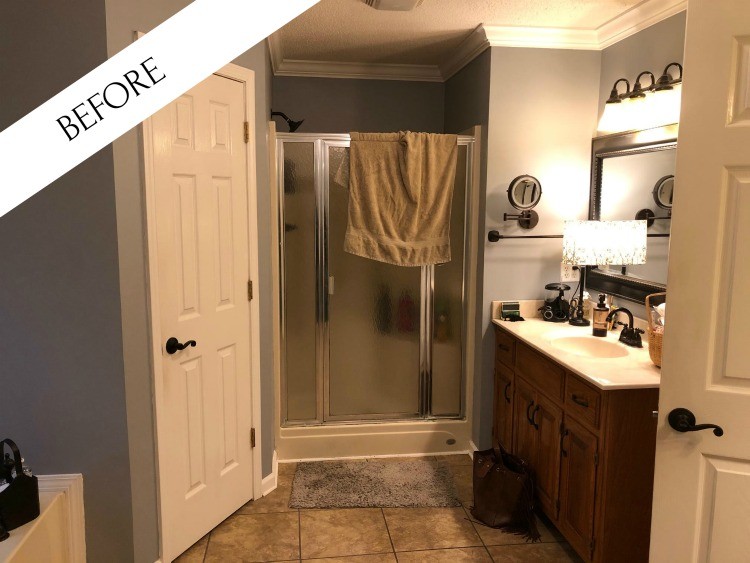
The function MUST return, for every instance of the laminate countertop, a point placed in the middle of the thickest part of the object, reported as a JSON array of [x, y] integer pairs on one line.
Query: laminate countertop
[[632, 370]]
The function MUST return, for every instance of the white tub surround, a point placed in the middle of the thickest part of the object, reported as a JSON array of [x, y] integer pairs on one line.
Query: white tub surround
[[633, 370]]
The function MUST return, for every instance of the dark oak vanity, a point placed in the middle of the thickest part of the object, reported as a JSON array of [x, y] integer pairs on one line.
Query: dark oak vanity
[[591, 448]]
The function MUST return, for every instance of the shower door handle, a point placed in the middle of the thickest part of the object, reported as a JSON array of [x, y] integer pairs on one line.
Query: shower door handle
[[331, 281]]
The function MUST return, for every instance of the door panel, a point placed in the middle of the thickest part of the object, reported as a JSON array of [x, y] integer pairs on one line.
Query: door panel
[[578, 485], [702, 481], [374, 323], [448, 307], [524, 434], [203, 398], [547, 417], [503, 431], [299, 270]]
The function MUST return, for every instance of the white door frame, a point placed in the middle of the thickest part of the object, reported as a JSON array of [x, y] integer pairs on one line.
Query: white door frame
[[247, 77]]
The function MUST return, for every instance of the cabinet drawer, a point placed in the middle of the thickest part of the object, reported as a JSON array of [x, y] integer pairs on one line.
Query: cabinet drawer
[[505, 347], [547, 376], [582, 400]]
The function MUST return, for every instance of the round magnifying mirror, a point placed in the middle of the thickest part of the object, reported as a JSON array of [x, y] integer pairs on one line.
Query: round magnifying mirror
[[664, 191], [524, 192]]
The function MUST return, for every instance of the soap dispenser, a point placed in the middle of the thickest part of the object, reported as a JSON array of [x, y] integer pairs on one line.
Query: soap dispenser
[[599, 322]]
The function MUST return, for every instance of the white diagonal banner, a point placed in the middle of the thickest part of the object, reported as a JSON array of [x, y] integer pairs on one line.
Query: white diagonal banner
[[131, 86]]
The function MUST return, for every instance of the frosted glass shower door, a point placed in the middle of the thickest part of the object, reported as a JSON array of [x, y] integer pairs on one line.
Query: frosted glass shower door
[[373, 368], [448, 307], [300, 281]]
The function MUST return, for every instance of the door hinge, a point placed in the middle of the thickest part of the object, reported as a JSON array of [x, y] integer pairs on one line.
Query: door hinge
[[249, 290], [246, 129], [591, 546], [596, 459], [252, 437]]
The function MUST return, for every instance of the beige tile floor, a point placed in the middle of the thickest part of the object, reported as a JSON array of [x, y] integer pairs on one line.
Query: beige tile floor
[[268, 530]]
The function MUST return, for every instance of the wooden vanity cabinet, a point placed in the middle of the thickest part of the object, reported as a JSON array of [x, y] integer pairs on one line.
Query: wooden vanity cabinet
[[591, 450]]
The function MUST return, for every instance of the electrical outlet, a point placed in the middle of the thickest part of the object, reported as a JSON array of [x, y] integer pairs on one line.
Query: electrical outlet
[[567, 273]]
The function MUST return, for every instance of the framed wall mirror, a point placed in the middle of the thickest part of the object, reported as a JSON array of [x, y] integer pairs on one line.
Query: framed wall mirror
[[632, 177]]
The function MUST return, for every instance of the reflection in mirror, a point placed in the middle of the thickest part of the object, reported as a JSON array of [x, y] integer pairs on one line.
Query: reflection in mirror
[[627, 188]]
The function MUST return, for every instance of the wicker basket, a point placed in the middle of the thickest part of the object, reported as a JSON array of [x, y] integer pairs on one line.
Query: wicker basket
[[654, 338]]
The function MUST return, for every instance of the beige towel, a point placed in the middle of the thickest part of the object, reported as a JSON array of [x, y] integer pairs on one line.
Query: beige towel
[[400, 196]]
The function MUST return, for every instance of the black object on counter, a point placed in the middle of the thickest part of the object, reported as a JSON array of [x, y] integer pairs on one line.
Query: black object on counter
[[19, 501]]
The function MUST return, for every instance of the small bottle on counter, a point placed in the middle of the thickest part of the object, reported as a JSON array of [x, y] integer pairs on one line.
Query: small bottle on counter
[[599, 322]]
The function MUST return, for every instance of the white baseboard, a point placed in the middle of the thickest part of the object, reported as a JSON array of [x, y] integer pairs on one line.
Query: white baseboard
[[377, 456], [72, 488], [270, 482]]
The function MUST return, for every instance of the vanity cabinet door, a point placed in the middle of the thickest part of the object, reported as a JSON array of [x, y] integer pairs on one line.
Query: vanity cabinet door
[[524, 434], [503, 424], [578, 486], [547, 419]]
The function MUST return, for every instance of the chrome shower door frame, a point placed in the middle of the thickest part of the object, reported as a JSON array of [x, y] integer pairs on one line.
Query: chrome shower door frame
[[322, 144]]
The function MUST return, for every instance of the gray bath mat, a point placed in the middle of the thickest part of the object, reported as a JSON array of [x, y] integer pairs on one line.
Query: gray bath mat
[[365, 484]]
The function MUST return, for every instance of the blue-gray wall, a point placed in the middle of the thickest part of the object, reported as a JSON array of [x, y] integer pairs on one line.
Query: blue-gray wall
[[467, 104], [62, 387], [340, 105]]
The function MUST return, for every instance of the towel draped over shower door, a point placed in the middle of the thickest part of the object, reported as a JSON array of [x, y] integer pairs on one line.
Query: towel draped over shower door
[[400, 196]]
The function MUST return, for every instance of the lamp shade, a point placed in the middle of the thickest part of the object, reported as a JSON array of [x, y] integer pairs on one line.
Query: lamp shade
[[599, 243]]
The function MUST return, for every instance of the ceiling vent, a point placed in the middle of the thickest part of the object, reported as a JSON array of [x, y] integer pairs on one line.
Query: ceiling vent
[[394, 5]]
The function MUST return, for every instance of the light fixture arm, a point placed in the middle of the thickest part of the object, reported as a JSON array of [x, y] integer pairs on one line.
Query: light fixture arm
[[614, 96], [666, 81], [638, 90]]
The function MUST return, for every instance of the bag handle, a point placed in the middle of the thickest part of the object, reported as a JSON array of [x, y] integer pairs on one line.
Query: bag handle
[[16, 455]]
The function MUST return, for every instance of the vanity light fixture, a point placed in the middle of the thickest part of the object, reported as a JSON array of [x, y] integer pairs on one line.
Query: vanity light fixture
[[643, 107], [666, 82], [615, 116]]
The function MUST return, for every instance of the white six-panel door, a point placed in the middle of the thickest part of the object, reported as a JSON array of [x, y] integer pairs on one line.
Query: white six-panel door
[[199, 223], [702, 483]]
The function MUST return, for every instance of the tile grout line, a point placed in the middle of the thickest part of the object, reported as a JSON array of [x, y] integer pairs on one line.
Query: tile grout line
[[388, 530], [208, 541], [481, 539], [299, 532]]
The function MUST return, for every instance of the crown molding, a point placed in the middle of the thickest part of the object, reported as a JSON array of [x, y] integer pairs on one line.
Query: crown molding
[[637, 18], [370, 71], [469, 49]]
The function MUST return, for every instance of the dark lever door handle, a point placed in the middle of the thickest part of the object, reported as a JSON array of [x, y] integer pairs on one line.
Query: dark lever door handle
[[683, 420], [173, 345]]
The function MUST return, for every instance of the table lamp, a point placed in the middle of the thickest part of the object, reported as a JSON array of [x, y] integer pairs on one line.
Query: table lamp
[[601, 243]]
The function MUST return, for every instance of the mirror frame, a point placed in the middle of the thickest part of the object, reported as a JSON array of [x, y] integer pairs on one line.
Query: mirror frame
[[623, 144]]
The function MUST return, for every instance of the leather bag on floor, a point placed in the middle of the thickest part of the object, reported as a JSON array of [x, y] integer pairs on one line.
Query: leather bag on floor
[[19, 501], [504, 493]]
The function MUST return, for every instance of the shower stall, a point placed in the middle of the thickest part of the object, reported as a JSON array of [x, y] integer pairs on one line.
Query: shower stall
[[363, 342]]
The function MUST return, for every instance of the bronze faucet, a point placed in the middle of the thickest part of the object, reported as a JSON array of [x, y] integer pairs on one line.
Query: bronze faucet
[[630, 336]]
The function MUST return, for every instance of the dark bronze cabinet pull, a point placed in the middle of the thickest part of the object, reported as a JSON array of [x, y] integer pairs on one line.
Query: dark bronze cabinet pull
[[580, 401], [683, 420], [504, 347], [505, 392], [528, 412], [563, 435], [533, 417]]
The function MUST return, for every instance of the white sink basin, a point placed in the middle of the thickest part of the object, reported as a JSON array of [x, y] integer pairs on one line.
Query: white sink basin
[[589, 346]]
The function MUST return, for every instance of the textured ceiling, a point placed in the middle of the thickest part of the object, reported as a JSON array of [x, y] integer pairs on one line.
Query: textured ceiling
[[351, 31]]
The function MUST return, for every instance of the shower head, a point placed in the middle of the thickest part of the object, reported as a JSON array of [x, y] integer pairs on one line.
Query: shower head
[[293, 125]]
